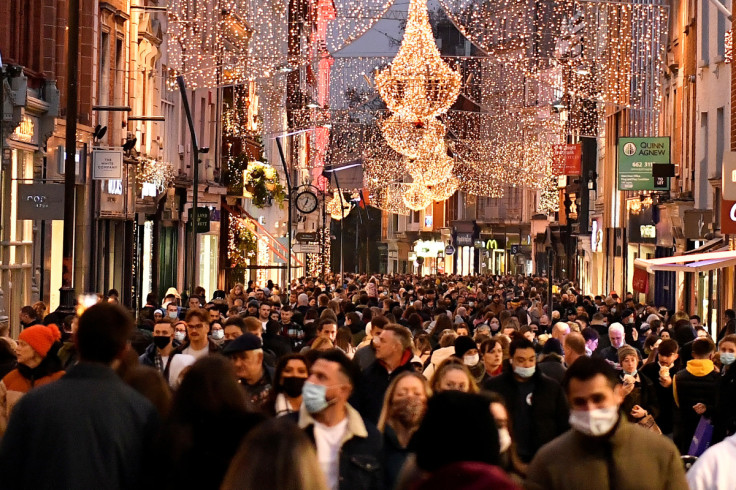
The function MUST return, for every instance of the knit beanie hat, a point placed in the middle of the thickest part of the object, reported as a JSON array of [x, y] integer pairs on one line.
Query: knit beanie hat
[[463, 344], [41, 337]]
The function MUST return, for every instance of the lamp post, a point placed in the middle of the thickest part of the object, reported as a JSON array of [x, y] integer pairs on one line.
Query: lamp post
[[67, 300], [196, 150]]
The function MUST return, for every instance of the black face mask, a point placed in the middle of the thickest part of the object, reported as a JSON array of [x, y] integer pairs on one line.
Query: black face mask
[[161, 341], [293, 386]]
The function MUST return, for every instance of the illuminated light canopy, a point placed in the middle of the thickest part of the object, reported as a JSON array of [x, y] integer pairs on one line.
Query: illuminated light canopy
[[418, 84]]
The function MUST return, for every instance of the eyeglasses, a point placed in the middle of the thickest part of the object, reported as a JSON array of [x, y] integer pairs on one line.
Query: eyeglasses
[[196, 325]]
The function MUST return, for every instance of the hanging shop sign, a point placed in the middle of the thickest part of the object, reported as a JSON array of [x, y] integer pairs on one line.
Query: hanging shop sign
[[107, 164], [636, 157], [729, 176], [567, 159], [41, 201], [640, 281], [464, 239], [202, 221], [728, 217], [697, 223]]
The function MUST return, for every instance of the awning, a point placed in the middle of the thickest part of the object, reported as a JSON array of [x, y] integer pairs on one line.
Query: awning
[[699, 262]]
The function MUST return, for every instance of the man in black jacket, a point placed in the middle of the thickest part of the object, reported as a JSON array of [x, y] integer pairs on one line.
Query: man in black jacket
[[660, 373], [393, 356], [695, 389], [536, 403], [349, 449], [88, 429]]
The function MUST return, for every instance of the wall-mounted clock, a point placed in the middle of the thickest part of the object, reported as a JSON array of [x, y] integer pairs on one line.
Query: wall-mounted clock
[[306, 202]]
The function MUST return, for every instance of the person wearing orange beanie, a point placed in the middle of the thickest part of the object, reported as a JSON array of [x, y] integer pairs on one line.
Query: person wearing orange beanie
[[38, 365]]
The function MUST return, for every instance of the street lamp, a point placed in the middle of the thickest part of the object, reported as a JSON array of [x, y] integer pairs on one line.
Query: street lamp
[[67, 295]]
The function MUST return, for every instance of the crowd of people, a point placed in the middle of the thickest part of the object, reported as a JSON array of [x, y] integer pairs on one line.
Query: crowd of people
[[370, 382]]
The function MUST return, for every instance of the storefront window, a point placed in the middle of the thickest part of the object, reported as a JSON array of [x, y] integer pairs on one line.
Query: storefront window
[[208, 262], [146, 281]]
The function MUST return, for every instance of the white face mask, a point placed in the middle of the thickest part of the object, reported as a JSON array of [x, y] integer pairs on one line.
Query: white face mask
[[180, 336], [596, 422], [218, 334], [504, 439], [471, 360], [524, 372], [173, 315]]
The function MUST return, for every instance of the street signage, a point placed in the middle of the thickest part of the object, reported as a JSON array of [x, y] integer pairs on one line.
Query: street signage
[[729, 176], [640, 281], [636, 158], [306, 237], [203, 219], [306, 248], [567, 159], [449, 250], [107, 164], [41, 201], [728, 217]]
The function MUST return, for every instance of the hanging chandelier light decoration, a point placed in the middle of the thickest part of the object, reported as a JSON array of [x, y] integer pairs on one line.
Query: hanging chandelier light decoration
[[338, 207], [444, 190], [390, 198], [413, 138], [418, 85], [431, 169], [417, 196]]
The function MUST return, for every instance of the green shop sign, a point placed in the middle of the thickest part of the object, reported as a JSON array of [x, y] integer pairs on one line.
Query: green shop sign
[[636, 156]]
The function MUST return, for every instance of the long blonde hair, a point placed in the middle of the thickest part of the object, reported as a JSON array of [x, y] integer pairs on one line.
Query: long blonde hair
[[276, 454], [448, 365]]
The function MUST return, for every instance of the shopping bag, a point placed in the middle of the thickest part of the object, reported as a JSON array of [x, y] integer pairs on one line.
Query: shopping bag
[[701, 438], [648, 423]]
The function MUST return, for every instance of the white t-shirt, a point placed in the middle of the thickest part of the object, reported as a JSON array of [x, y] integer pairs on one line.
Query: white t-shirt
[[196, 354], [328, 440], [178, 364]]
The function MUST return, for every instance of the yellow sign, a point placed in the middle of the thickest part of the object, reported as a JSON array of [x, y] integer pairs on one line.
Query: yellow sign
[[491, 245]]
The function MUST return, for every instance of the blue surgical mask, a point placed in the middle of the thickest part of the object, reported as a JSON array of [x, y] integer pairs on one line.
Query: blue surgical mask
[[524, 372], [727, 358], [314, 397]]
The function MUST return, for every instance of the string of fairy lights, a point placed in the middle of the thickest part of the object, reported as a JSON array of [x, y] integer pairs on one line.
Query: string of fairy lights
[[527, 59]]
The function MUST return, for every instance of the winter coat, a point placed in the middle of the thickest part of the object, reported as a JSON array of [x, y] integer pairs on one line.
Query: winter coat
[[360, 454], [697, 383], [665, 418], [724, 422], [14, 385], [549, 412], [632, 457], [437, 357], [86, 430], [372, 385]]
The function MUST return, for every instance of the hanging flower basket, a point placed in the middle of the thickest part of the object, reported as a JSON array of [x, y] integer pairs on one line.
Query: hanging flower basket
[[262, 184]]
